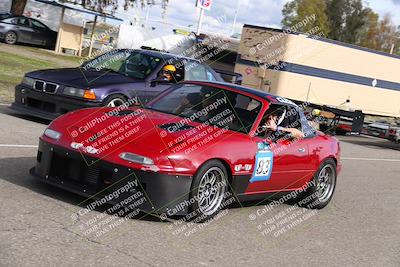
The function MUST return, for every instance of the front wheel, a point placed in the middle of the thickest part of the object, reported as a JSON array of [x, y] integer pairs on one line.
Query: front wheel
[[208, 191], [321, 188], [11, 38], [115, 101]]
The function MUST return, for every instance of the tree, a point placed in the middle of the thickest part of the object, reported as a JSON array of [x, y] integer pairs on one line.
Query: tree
[[296, 11], [18, 6], [387, 34], [369, 32], [355, 20], [348, 20], [336, 10]]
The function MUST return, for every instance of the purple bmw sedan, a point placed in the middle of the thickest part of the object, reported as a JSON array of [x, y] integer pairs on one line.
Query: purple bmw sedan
[[112, 79]]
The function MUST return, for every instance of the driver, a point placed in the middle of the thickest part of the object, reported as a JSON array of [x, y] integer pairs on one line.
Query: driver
[[168, 72], [275, 119]]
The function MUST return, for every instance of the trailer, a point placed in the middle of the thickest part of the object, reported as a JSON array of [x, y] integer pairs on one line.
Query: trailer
[[309, 68]]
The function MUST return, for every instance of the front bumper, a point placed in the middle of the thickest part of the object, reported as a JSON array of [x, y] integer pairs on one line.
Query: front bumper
[[392, 137], [96, 179], [44, 105]]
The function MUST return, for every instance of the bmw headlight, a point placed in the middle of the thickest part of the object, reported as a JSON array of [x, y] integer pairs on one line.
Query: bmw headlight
[[71, 91], [28, 81], [136, 158], [52, 134], [87, 94]]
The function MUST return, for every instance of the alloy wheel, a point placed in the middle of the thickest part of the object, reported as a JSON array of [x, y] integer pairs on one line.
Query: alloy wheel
[[212, 189]]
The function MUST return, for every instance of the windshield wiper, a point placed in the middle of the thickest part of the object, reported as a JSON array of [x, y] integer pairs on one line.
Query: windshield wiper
[[103, 70]]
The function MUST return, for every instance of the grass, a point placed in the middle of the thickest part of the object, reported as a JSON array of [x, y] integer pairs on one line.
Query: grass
[[14, 65]]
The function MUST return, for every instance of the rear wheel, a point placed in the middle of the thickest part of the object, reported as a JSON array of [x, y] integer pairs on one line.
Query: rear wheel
[[322, 187], [115, 101], [339, 131], [209, 187], [11, 38]]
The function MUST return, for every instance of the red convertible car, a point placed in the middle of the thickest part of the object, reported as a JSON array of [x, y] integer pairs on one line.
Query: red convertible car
[[189, 148]]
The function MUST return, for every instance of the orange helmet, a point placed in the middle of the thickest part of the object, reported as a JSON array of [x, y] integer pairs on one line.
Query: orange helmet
[[170, 68]]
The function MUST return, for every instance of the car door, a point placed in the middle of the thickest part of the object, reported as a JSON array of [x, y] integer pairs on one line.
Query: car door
[[288, 162], [40, 33], [24, 30]]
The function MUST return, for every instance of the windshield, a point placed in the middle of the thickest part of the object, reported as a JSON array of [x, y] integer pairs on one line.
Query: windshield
[[127, 62], [210, 105]]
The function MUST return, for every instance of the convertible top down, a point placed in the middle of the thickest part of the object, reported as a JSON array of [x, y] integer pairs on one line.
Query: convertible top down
[[187, 149]]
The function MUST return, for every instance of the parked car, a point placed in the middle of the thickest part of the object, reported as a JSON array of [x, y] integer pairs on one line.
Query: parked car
[[394, 133], [20, 29], [114, 78], [188, 149], [5, 15], [378, 130]]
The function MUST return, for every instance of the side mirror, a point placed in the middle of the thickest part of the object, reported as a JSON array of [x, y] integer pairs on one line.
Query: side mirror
[[159, 80]]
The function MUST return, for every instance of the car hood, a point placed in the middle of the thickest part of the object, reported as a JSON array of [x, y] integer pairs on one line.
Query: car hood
[[140, 131], [81, 78]]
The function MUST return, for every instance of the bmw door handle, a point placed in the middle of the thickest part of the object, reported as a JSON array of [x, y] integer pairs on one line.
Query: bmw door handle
[[302, 150]]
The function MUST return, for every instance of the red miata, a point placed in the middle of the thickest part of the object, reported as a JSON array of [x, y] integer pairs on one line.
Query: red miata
[[188, 148]]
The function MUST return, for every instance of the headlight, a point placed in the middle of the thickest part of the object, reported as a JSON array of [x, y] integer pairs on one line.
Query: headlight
[[136, 158], [73, 91], [87, 94], [52, 134], [28, 81]]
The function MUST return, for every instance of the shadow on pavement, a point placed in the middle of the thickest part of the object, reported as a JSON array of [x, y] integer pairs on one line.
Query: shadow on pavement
[[8, 111], [374, 143], [16, 171]]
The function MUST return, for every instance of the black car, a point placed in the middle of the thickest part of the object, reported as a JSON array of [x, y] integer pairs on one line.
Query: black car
[[27, 30], [5, 15]]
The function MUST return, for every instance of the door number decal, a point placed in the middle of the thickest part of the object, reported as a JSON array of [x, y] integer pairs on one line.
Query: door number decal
[[263, 166]]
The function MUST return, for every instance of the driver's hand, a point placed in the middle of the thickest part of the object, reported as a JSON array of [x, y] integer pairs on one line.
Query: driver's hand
[[296, 134], [271, 125]]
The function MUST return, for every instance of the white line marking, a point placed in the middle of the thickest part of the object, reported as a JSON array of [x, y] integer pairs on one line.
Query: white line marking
[[10, 145], [6, 105], [371, 159]]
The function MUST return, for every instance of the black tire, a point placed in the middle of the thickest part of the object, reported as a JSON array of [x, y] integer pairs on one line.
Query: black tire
[[340, 132], [314, 197], [116, 98], [202, 190], [10, 38]]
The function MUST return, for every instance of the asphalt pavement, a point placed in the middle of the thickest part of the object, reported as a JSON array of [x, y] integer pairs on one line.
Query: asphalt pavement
[[360, 227]]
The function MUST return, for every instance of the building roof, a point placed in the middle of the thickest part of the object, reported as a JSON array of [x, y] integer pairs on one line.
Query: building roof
[[90, 12], [323, 39]]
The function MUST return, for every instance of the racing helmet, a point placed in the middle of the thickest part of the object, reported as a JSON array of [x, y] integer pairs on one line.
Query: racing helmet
[[169, 68]]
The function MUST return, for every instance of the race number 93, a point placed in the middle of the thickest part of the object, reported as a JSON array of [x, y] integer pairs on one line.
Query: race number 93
[[263, 166]]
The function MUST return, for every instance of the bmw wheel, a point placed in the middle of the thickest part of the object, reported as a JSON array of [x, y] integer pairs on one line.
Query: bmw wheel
[[208, 190], [11, 38], [322, 187], [115, 101]]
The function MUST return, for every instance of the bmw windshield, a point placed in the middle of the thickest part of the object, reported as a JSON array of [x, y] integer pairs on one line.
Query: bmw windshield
[[125, 62]]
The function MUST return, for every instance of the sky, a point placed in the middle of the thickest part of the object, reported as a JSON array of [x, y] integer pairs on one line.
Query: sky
[[220, 18], [258, 12]]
